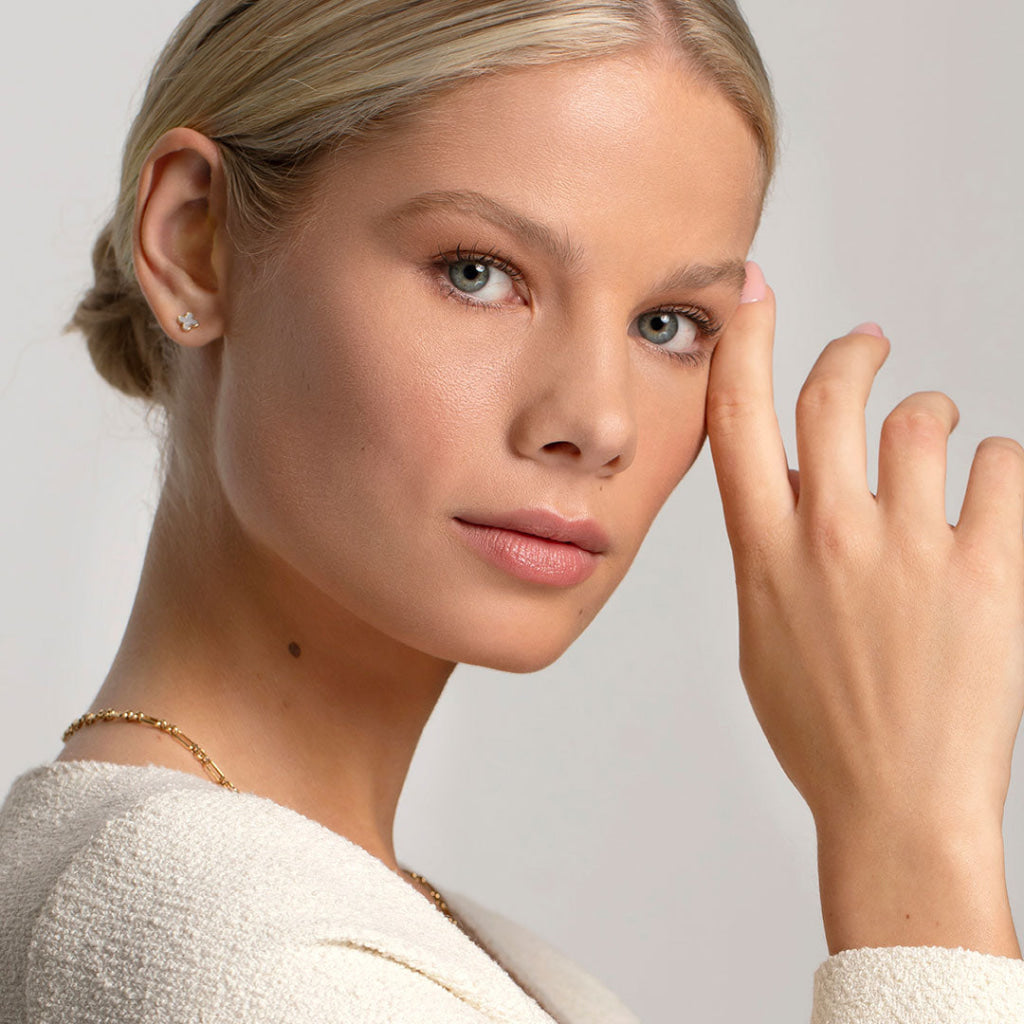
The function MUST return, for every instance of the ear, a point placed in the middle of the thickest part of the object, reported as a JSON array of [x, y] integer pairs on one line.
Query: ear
[[181, 242]]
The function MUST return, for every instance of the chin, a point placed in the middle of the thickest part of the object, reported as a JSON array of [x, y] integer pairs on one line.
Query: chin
[[506, 643], [519, 659], [506, 627]]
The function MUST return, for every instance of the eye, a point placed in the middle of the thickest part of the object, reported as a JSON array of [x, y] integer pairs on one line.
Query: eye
[[469, 277], [481, 279], [686, 334], [664, 326]]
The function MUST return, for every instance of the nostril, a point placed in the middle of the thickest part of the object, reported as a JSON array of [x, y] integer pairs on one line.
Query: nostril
[[565, 447]]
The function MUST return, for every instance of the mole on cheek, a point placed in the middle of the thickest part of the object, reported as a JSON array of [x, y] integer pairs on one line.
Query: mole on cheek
[[294, 650]]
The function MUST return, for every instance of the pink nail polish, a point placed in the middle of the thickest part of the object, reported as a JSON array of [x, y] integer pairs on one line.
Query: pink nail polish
[[756, 288], [869, 328]]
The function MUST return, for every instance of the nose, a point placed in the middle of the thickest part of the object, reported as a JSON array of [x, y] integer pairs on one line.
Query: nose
[[574, 400]]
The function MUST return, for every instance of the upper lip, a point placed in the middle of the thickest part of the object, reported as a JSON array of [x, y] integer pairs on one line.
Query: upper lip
[[584, 533]]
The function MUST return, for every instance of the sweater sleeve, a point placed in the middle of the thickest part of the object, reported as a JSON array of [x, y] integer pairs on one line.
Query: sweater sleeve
[[918, 985]]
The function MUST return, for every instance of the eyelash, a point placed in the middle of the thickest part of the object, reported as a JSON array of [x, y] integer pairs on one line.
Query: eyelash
[[707, 326]]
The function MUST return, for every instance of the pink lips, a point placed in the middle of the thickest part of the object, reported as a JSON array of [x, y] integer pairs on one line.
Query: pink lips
[[536, 545]]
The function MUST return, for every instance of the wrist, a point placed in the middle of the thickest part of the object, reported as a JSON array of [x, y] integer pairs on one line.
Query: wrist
[[919, 883]]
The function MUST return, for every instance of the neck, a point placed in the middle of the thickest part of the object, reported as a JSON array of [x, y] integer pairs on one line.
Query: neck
[[292, 696]]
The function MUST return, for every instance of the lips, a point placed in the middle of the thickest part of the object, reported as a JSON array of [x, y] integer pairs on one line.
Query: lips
[[584, 533], [535, 545]]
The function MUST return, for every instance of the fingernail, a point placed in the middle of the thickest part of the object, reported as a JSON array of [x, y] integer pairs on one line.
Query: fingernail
[[869, 328], [755, 288]]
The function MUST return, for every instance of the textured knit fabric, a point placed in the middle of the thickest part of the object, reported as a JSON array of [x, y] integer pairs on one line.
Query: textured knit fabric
[[145, 895]]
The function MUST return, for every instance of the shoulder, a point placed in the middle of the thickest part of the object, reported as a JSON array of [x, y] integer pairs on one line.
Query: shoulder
[[50, 814], [200, 904], [169, 839]]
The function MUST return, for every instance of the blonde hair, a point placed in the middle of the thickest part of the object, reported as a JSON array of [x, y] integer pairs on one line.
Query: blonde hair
[[278, 83]]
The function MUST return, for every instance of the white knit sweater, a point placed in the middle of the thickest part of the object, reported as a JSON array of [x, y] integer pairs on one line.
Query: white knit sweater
[[145, 895]]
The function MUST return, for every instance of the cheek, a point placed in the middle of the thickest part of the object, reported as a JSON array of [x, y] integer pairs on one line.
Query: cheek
[[358, 389], [674, 426], [670, 435]]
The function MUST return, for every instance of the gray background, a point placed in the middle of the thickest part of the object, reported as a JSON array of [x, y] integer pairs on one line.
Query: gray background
[[622, 803]]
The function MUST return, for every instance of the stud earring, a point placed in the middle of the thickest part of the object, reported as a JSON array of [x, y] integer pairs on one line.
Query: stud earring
[[188, 322]]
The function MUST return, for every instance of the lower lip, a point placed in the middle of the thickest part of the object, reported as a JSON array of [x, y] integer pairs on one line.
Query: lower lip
[[530, 558]]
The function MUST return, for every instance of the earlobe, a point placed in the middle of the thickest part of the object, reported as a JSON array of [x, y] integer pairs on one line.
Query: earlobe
[[179, 238]]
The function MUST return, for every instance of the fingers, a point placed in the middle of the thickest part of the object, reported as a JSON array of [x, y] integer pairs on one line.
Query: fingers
[[912, 460], [743, 430], [993, 508], [830, 431]]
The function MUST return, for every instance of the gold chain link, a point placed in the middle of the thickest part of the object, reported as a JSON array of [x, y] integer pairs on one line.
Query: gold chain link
[[211, 769], [438, 898], [108, 715]]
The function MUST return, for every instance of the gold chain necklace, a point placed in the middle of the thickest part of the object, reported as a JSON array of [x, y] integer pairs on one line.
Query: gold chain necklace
[[211, 769]]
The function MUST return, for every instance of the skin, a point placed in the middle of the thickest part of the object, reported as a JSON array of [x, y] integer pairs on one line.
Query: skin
[[337, 416], [901, 746]]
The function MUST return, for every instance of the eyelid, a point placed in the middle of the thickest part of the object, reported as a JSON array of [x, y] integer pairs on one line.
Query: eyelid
[[708, 330], [491, 258], [708, 325]]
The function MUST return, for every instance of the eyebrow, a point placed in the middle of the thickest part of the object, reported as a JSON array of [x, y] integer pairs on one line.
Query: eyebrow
[[480, 205], [704, 275], [732, 272]]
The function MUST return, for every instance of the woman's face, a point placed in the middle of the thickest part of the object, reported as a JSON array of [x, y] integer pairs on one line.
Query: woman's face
[[503, 311]]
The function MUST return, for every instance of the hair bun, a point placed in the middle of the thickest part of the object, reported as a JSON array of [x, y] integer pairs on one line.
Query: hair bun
[[125, 342]]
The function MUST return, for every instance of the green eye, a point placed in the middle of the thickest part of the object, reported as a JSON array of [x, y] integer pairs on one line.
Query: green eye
[[469, 275], [659, 328]]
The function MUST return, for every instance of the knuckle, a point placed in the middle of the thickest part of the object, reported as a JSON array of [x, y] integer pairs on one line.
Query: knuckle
[[924, 416], [1004, 452], [842, 372], [986, 563], [725, 402], [915, 423], [822, 392], [919, 548], [728, 409], [831, 537]]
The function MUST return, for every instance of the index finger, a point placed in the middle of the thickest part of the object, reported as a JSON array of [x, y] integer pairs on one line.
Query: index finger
[[743, 430]]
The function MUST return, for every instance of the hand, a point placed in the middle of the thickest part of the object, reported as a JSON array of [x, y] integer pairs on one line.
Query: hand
[[882, 649]]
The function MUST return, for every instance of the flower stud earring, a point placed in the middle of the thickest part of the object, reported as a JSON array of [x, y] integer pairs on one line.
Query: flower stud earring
[[188, 322]]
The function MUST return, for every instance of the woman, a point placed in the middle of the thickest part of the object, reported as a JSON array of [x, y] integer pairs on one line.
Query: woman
[[425, 396]]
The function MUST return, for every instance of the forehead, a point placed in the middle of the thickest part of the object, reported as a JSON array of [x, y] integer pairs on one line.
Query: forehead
[[605, 151]]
